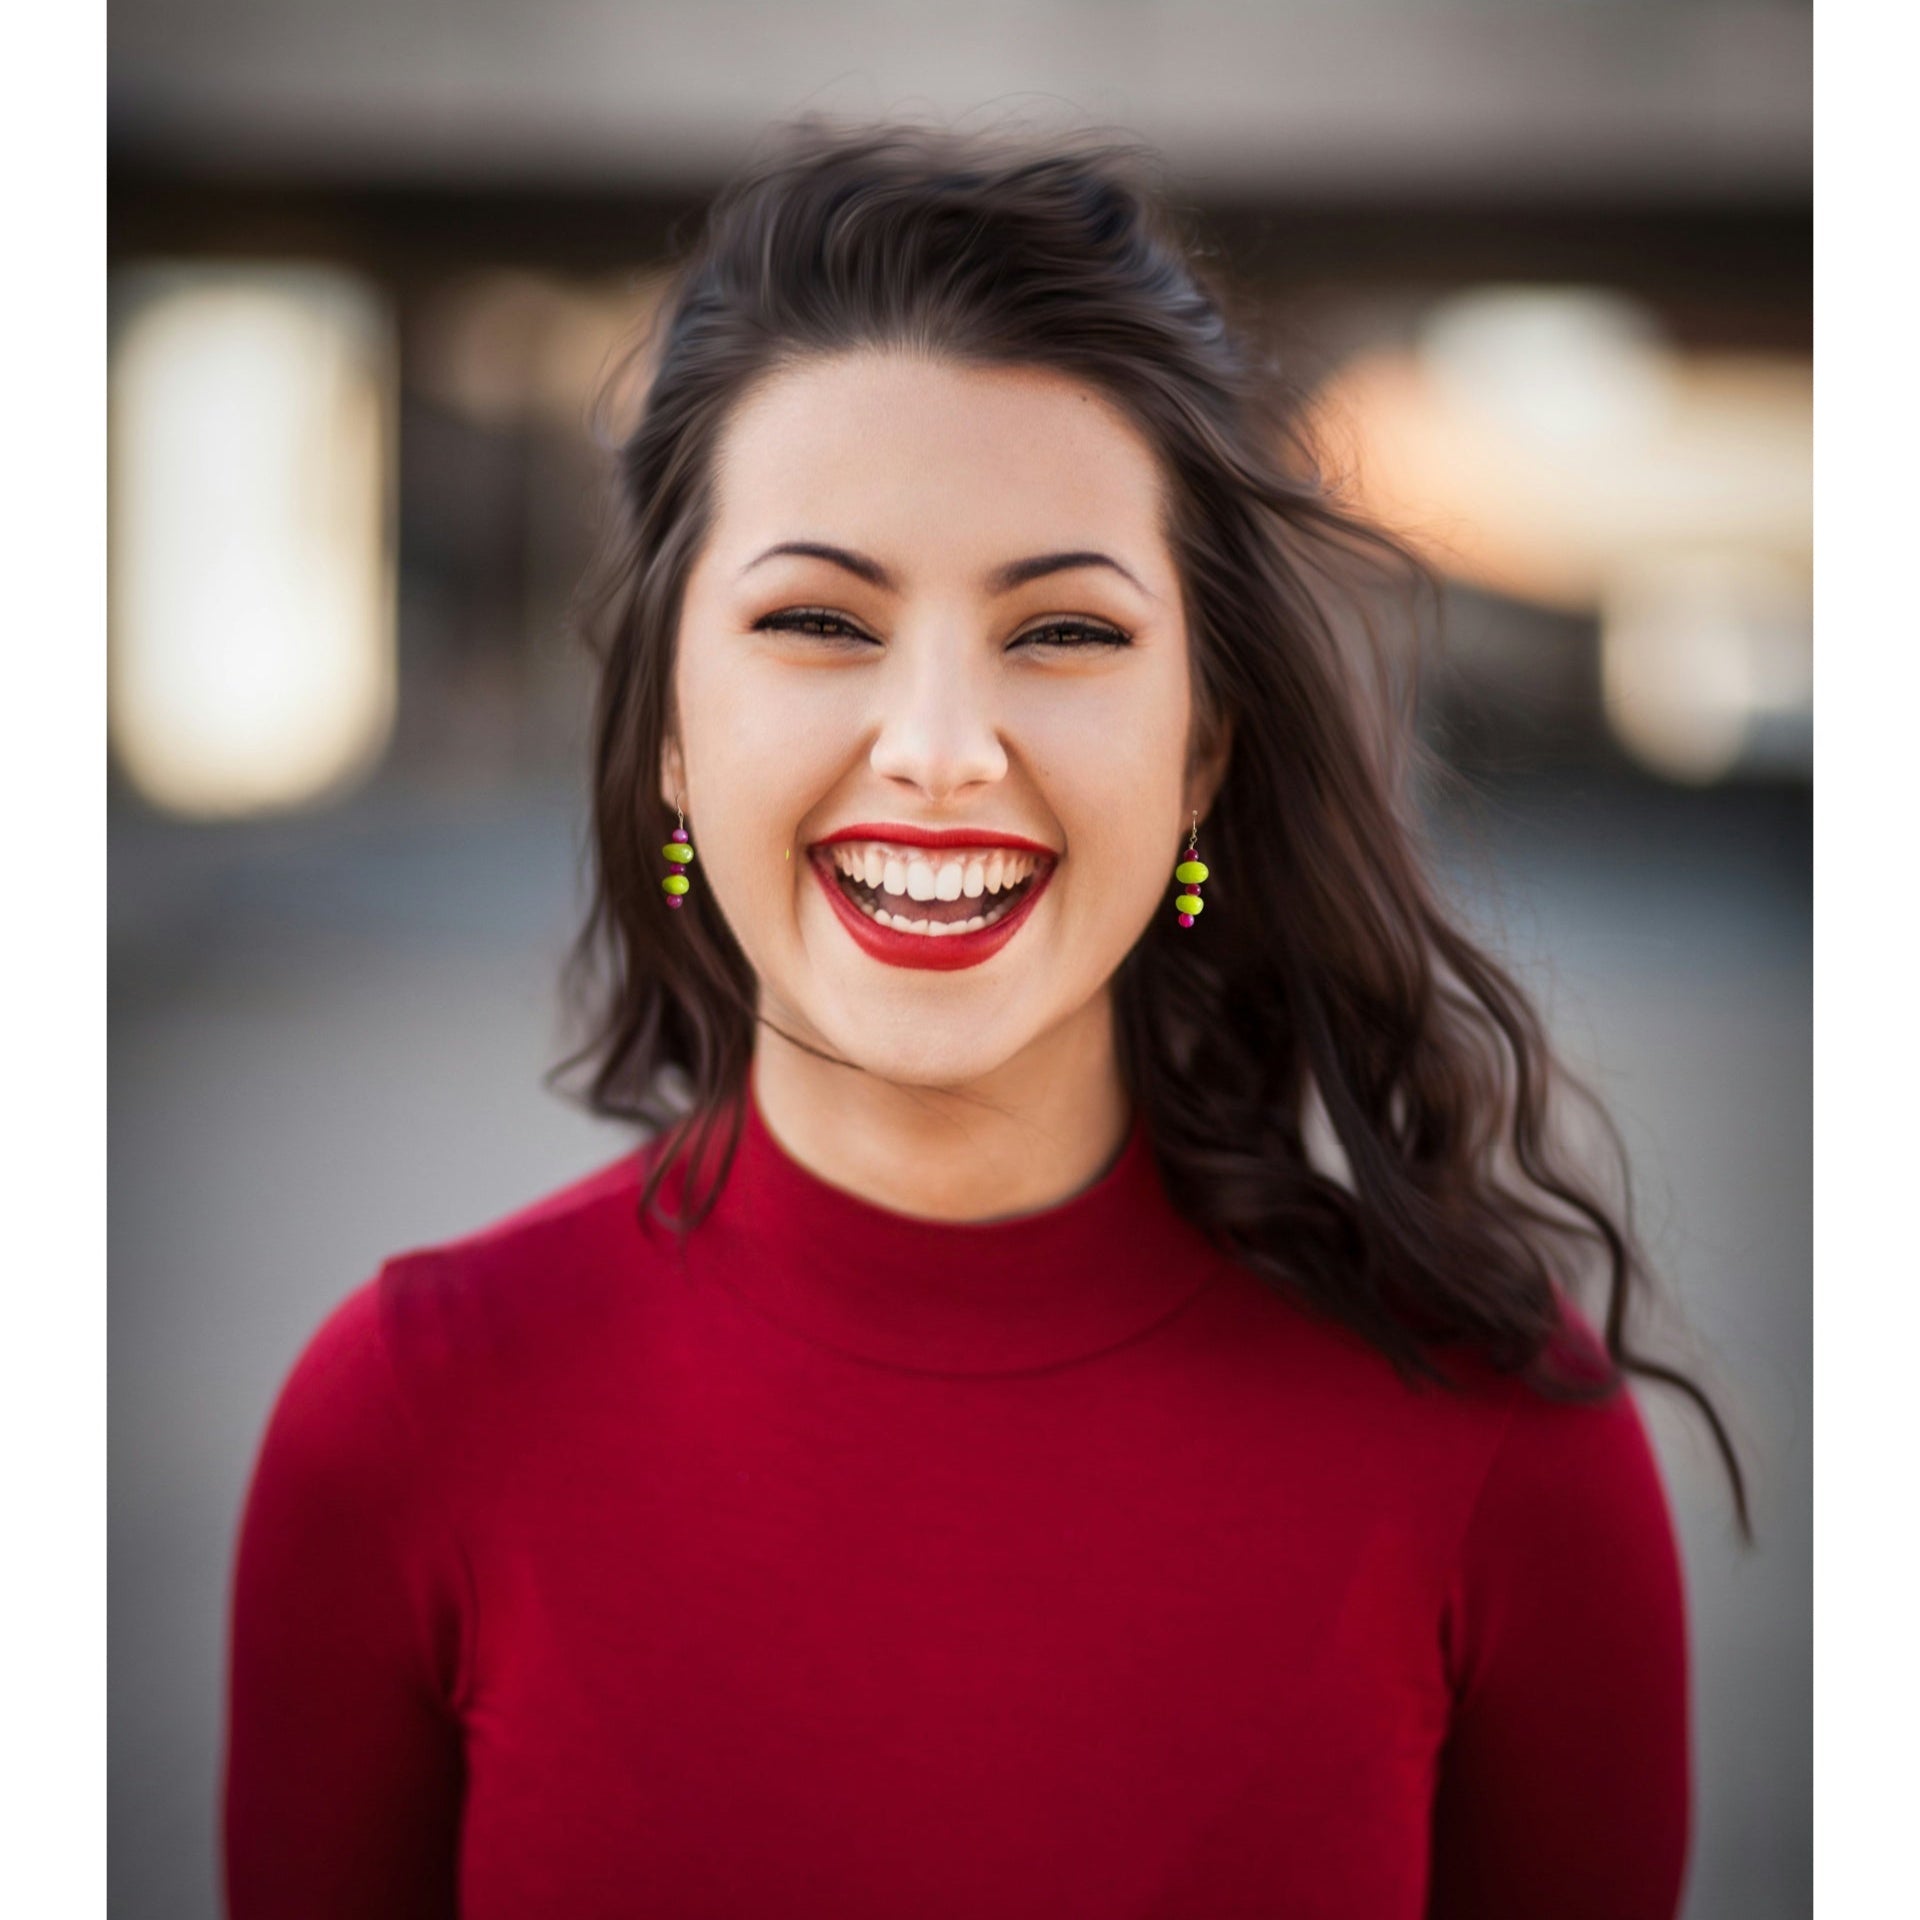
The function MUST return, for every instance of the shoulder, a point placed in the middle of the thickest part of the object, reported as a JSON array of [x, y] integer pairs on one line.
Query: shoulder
[[502, 1295], [345, 1550], [1566, 1779], [1478, 1453], [1507, 1485], [1577, 1461], [337, 1411], [335, 1477], [476, 1313], [1569, 1530]]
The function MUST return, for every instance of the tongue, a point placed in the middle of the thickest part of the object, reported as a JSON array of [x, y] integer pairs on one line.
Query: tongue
[[961, 909]]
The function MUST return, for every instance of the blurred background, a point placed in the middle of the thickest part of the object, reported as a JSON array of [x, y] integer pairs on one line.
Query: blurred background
[[1546, 268]]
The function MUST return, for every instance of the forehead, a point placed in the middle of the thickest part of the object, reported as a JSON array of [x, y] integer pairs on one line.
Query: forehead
[[926, 455]]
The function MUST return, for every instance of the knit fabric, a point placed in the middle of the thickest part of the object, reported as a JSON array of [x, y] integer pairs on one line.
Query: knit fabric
[[852, 1564]]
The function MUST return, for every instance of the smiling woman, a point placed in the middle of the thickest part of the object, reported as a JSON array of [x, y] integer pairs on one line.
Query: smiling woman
[[981, 1454], [982, 670]]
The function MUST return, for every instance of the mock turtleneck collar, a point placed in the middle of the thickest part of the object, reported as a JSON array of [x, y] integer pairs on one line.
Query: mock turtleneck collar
[[998, 1296]]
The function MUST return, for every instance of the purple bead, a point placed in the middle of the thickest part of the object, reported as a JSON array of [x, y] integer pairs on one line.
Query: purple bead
[[679, 833], [1186, 919], [674, 899]]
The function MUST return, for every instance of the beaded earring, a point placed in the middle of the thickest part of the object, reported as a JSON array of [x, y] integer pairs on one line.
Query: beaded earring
[[676, 884], [1190, 872]]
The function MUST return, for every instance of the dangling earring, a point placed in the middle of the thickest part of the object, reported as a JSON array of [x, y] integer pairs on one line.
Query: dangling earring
[[676, 884], [1190, 872]]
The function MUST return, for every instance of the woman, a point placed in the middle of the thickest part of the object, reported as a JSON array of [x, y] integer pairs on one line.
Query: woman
[[1077, 1406]]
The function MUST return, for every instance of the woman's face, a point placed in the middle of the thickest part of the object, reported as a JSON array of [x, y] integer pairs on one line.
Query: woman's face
[[907, 688]]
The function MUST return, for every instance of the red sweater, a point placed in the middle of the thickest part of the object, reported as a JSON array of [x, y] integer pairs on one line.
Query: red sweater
[[865, 1566]]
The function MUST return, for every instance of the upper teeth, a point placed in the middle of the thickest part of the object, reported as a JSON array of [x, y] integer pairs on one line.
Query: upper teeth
[[915, 873]]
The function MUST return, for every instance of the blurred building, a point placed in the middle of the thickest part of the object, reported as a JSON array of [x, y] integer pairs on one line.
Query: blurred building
[[1544, 267], [1553, 262]]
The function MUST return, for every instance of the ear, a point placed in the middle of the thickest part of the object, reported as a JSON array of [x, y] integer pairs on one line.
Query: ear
[[673, 781], [1209, 771]]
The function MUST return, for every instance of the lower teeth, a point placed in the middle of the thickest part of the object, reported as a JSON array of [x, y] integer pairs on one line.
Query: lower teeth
[[935, 929]]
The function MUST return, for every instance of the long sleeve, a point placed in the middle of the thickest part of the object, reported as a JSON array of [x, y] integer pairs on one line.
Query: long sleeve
[[1566, 1780], [343, 1763]]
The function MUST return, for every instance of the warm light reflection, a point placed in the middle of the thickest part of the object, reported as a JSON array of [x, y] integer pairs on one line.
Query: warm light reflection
[[1706, 664], [252, 647], [1548, 445], [506, 348]]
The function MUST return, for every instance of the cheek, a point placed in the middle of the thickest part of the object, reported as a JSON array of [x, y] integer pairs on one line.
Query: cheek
[[1111, 769], [1120, 866], [1134, 711], [727, 708], [760, 762], [752, 760]]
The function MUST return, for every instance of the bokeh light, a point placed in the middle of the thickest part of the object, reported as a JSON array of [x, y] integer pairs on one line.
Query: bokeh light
[[252, 632]]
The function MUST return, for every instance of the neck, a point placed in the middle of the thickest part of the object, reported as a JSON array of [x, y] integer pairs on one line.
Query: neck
[[1030, 1134]]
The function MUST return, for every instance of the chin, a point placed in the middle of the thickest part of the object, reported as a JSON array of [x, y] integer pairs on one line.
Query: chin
[[902, 1052]]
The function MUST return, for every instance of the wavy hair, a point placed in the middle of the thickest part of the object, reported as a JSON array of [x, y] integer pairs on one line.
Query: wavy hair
[[1343, 1090]]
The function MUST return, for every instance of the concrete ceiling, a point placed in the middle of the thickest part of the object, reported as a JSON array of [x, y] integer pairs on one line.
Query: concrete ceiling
[[1682, 99]]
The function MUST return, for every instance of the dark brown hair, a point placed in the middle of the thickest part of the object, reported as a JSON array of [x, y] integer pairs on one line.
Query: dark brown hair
[[1327, 990]]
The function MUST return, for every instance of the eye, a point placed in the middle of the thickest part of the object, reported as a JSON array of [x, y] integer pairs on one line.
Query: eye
[[819, 623], [1074, 634], [816, 622]]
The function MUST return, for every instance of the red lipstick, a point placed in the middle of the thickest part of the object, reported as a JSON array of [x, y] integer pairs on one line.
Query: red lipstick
[[940, 953], [897, 835]]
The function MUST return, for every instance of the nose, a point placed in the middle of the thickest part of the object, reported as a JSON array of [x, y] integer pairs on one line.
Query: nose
[[938, 730]]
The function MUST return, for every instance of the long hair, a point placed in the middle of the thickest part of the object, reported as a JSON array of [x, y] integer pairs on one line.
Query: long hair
[[1343, 1090]]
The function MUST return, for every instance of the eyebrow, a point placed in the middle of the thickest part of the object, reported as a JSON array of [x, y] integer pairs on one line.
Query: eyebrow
[[1003, 579]]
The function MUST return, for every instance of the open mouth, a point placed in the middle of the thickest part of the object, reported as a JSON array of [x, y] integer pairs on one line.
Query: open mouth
[[997, 892]]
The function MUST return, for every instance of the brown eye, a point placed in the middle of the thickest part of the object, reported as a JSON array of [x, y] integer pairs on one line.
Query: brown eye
[[1074, 634], [819, 623], [815, 622]]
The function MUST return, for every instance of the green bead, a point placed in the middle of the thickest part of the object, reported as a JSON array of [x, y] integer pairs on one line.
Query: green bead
[[675, 883], [1190, 871], [678, 850], [1188, 902]]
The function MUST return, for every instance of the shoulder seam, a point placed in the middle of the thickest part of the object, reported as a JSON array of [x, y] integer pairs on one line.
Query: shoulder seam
[[1458, 1560], [435, 1506]]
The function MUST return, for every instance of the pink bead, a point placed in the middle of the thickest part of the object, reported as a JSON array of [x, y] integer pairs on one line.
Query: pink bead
[[679, 833], [674, 899], [1186, 919]]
